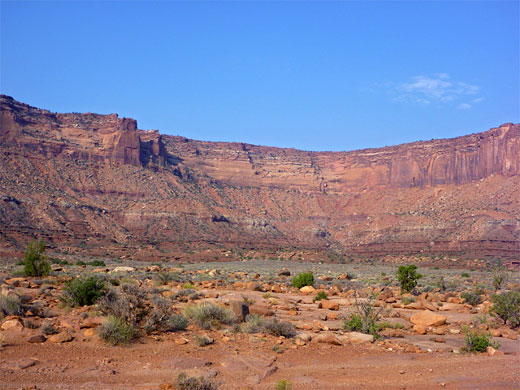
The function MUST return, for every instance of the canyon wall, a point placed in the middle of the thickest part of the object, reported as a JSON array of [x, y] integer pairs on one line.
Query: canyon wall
[[98, 184]]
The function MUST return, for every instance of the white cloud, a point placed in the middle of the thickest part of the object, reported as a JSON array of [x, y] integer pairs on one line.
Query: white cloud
[[439, 88]]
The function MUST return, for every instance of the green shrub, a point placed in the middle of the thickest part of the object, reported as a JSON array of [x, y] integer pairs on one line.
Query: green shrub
[[303, 279], [208, 315], [499, 278], [97, 263], [83, 291], [177, 322], [477, 341], [10, 305], [472, 298], [365, 317], [278, 328], [184, 382], [254, 323], [189, 286], [507, 307], [36, 263], [319, 296], [408, 277], [408, 300], [283, 385], [464, 275], [116, 331]]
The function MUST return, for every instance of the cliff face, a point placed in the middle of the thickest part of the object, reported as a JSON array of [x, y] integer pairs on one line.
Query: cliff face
[[97, 138], [96, 183], [420, 164]]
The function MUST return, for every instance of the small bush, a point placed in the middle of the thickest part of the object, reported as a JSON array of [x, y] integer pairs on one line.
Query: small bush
[[48, 329], [477, 341], [163, 278], [303, 279], [408, 277], [208, 315], [319, 296], [97, 263], [365, 317], [203, 340], [83, 291], [116, 331], [507, 307], [189, 286], [464, 275], [283, 385], [184, 382], [278, 328], [36, 263], [10, 305], [128, 303], [472, 298], [407, 300], [499, 278], [254, 323], [177, 322]]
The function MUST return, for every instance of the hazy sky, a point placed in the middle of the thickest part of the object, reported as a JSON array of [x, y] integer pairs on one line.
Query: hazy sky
[[309, 75]]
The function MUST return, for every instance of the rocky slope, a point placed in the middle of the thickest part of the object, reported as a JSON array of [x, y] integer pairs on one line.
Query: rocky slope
[[97, 184]]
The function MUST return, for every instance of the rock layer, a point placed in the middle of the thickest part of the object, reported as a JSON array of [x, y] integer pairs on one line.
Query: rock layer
[[98, 183]]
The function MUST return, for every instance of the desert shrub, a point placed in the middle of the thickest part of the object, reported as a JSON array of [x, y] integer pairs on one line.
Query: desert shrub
[[208, 315], [116, 330], [29, 324], [365, 317], [10, 305], [283, 385], [128, 303], [48, 329], [177, 322], [319, 296], [248, 301], [303, 279], [83, 291], [507, 307], [408, 277], [499, 278], [254, 323], [472, 298], [159, 316], [36, 263], [464, 275], [408, 300], [186, 294], [189, 286], [97, 263], [278, 328], [203, 340], [162, 278], [184, 382], [476, 341]]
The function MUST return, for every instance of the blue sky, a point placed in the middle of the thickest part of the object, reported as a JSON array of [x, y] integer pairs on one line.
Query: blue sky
[[309, 75]]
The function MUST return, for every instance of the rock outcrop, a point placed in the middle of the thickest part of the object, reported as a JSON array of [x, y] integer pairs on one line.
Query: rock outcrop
[[97, 183]]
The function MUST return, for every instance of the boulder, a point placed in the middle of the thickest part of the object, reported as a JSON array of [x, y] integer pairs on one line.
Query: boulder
[[329, 305], [62, 337], [328, 338], [239, 309], [123, 269], [357, 338], [427, 318], [307, 289]]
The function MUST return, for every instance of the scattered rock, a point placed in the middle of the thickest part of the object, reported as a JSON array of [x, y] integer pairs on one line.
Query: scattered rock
[[427, 318], [62, 337]]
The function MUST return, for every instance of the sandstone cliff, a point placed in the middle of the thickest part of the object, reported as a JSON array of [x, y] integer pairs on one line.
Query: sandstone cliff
[[96, 183]]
